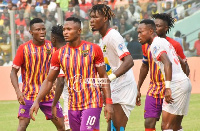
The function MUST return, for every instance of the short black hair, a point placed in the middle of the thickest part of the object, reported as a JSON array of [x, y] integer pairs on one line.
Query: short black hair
[[149, 22], [58, 31], [36, 20], [103, 9], [74, 19], [167, 18]]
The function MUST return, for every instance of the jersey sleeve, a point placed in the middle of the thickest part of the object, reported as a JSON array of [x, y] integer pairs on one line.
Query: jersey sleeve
[[98, 58], [55, 63], [118, 45], [157, 50], [144, 51], [179, 51], [19, 58]]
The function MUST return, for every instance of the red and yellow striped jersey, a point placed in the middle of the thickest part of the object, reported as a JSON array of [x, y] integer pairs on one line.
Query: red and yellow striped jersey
[[157, 83], [35, 64], [79, 64]]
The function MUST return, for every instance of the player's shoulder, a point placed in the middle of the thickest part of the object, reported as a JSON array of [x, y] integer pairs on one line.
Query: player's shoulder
[[173, 42], [24, 44]]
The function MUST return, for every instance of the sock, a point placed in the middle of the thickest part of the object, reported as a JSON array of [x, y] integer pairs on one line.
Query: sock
[[122, 128], [150, 129], [112, 126], [180, 130], [168, 130]]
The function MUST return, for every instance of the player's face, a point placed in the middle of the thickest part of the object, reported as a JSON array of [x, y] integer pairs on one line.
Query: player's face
[[71, 31], [144, 33], [96, 21], [161, 27], [38, 31]]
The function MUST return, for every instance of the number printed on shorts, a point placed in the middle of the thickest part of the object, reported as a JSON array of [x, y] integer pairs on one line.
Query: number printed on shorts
[[91, 120]]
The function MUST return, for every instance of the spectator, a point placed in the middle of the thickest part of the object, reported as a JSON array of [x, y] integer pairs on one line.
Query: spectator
[[132, 14], [20, 20], [63, 4], [127, 39], [52, 6], [85, 6], [135, 47], [178, 38], [8, 61], [1, 61], [197, 46]]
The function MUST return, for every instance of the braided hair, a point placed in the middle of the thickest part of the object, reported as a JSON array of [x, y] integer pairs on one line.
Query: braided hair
[[103, 9], [167, 18], [58, 31]]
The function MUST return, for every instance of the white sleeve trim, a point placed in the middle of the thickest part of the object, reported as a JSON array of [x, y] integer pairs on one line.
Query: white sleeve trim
[[54, 68], [100, 64], [15, 66]]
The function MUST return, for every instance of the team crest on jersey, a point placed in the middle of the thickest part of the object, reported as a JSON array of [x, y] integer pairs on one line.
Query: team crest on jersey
[[22, 111], [120, 46], [85, 52], [104, 48], [155, 49], [48, 51]]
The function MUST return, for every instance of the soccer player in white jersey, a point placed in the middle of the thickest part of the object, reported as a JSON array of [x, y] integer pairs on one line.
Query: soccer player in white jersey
[[118, 66], [177, 84]]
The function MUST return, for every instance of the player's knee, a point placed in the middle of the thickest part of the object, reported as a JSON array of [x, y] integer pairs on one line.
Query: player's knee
[[150, 123], [23, 123], [166, 125]]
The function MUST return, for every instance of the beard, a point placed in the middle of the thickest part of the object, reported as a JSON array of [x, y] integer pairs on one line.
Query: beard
[[94, 29]]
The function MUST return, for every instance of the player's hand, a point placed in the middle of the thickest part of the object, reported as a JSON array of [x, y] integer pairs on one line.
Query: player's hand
[[54, 112], [108, 111], [168, 95], [138, 99], [20, 98], [34, 108]]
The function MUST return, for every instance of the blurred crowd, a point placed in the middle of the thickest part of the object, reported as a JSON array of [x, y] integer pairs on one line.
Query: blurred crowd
[[128, 13]]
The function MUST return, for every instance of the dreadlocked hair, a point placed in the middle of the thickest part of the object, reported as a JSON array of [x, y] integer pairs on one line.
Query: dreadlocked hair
[[167, 18], [58, 31], [103, 9]]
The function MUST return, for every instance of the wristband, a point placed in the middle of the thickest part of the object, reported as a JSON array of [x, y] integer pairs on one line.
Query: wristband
[[112, 77], [167, 84], [109, 101]]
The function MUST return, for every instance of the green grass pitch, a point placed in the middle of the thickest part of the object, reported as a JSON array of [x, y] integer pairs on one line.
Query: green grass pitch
[[9, 121]]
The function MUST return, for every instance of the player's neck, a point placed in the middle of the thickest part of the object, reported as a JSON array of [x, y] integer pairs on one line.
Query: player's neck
[[75, 43], [60, 44], [152, 38], [163, 36], [104, 30], [38, 43]]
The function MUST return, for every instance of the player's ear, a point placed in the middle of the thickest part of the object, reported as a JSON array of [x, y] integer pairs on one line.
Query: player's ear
[[79, 31], [30, 31], [105, 19], [166, 28]]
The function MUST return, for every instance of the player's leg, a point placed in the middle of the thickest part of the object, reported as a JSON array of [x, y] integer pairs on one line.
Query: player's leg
[[46, 109], [90, 119], [153, 109], [23, 115], [119, 117], [74, 120], [168, 121], [178, 126]]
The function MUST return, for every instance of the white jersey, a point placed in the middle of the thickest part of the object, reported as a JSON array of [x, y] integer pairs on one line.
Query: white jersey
[[114, 50], [161, 45]]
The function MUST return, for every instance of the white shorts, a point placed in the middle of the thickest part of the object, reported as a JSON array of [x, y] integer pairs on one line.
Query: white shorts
[[65, 95], [126, 97], [181, 94]]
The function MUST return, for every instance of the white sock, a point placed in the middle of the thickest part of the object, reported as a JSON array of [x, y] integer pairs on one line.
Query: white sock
[[180, 130], [168, 130]]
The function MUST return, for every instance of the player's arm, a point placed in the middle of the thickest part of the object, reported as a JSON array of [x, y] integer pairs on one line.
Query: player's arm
[[142, 75], [14, 81], [181, 55], [125, 66], [17, 62], [168, 76], [184, 66], [58, 91], [108, 110]]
